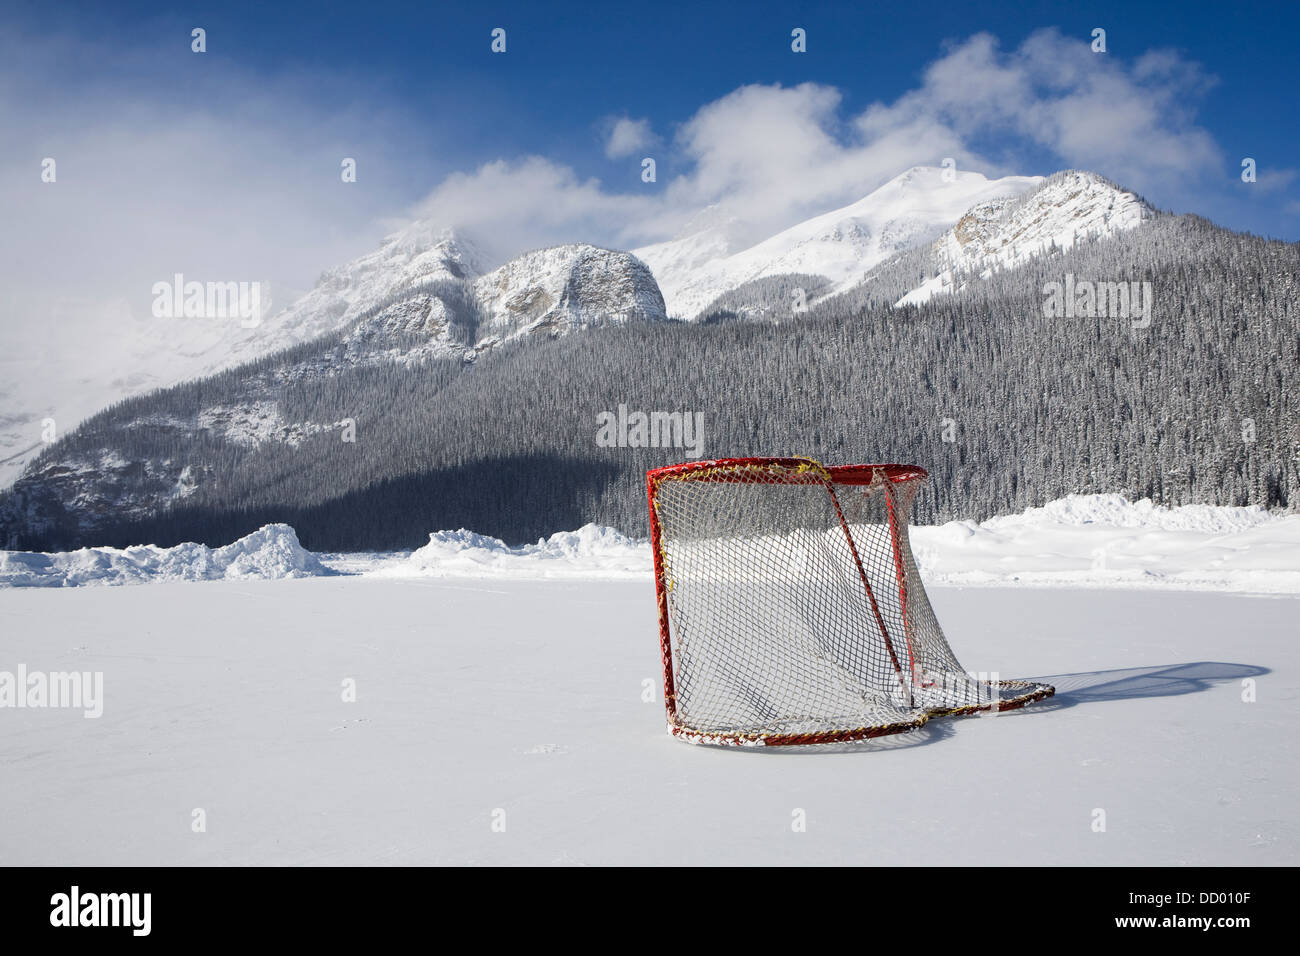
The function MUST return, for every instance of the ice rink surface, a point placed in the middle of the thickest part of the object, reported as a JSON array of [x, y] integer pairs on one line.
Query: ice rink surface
[[483, 704]]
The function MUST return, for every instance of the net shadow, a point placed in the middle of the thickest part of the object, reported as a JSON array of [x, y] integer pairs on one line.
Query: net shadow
[[1084, 687], [1132, 683]]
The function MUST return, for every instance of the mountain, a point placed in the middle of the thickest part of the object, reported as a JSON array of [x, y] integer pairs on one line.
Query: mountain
[[1066, 208], [716, 257], [60, 367], [75, 375], [563, 289], [911, 209], [420, 253], [150, 453]]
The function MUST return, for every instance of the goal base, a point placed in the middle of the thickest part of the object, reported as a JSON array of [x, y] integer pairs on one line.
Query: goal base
[[1030, 693]]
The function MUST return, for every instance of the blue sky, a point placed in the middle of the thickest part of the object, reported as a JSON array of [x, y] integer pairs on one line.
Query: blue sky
[[229, 161]]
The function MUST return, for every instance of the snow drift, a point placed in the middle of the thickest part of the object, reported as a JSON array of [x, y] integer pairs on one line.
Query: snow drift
[[590, 552], [1108, 541], [1078, 541], [272, 552]]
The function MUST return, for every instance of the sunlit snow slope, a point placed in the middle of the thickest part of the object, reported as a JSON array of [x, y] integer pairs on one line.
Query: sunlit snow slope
[[843, 245]]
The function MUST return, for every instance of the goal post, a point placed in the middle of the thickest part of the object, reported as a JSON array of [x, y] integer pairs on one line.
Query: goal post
[[791, 610]]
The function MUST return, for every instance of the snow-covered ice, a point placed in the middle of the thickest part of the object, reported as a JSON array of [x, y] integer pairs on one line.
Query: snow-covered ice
[[475, 696], [526, 680]]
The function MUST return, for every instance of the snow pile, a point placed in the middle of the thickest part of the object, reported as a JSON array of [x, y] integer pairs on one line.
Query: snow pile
[[1078, 541], [1108, 541], [1118, 512], [271, 552], [590, 552]]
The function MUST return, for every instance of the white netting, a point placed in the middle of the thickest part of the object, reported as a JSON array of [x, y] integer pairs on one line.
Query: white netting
[[789, 618]]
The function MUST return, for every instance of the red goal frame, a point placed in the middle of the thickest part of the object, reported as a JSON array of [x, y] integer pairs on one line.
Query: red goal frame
[[806, 471]]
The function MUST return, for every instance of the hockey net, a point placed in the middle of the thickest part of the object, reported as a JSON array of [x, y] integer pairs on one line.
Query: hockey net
[[791, 610]]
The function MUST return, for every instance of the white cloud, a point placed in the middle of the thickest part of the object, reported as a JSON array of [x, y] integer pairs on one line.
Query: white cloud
[[766, 155], [509, 207], [627, 136], [1270, 179], [769, 156], [220, 176], [1133, 124]]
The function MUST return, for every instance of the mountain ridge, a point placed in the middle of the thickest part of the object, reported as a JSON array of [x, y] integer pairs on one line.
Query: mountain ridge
[[1065, 208], [842, 244]]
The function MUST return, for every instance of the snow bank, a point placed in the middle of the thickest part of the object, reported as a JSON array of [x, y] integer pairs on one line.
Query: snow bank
[[1117, 511], [590, 552], [1108, 541], [271, 552], [1078, 541]]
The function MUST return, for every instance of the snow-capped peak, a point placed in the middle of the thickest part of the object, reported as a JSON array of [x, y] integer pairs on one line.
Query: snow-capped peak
[[1066, 208], [417, 254], [843, 245], [565, 287]]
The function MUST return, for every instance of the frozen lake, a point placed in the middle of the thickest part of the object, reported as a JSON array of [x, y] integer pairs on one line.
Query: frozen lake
[[475, 696]]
